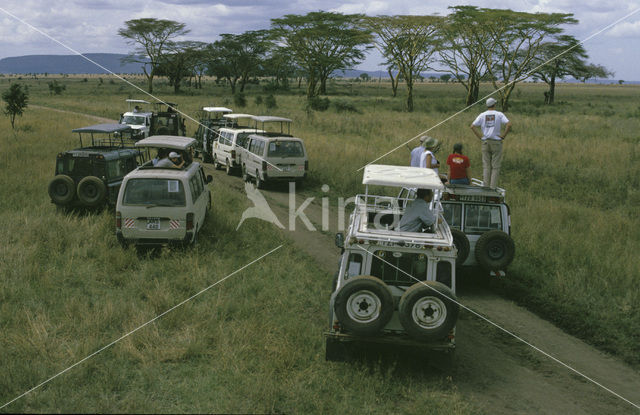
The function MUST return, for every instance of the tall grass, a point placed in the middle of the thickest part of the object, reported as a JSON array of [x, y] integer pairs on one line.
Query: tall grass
[[251, 344]]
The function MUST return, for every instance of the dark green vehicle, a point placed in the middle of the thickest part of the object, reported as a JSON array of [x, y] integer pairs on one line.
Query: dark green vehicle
[[90, 176], [210, 121], [167, 122]]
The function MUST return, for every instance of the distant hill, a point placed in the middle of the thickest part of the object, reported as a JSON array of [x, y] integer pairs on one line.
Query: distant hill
[[68, 64]]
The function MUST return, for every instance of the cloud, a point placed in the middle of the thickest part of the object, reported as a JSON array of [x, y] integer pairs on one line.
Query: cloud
[[625, 29]]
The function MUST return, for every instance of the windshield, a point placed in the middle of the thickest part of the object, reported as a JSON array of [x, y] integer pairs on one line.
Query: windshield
[[154, 192], [285, 149], [132, 120]]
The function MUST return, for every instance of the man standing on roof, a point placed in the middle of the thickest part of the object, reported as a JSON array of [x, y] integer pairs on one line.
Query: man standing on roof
[[491, 122], [416, 153]]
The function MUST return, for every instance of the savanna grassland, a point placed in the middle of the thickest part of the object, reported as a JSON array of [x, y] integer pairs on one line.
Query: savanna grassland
[[253, 343]]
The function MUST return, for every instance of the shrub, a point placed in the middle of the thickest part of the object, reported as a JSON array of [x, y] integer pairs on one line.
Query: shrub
[[56, 87], [270, 102], [258, 100], [318, 104], [239, 100], [344, 106]]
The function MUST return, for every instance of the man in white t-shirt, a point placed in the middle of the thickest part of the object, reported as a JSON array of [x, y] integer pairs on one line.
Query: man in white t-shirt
[[416, 153], [491, 123]]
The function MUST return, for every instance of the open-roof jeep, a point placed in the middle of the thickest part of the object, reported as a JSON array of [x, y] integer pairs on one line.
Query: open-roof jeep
[[90, 176], [480, 220], [210, 120], [167, 122], [393, 286]]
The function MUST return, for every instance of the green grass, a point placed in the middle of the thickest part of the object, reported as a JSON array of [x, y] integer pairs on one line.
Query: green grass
[[252, 344]]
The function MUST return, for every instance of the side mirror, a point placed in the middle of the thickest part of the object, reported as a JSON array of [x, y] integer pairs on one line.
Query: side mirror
[[340, 240], [209, 178]]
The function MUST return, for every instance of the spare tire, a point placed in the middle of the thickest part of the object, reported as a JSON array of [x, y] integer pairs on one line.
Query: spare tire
[[428, 311], [364, 305], [91, 191], [62, 189], [462, 244], [495, 250]]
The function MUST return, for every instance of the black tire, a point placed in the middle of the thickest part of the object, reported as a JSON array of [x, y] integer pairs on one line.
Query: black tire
[[91, 191], [62, 189], [228, 168], [364, 305], [495, 250], [462, 244], [259, 181], [427, 312]]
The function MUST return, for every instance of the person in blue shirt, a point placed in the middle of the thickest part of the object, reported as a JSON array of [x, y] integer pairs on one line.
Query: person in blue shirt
[[418, 214]]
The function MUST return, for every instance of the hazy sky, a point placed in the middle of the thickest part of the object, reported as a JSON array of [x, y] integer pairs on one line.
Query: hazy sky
[[92, 26]]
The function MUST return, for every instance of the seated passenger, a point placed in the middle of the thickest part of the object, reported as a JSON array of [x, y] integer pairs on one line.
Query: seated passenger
[[418, 215], [162, 153], [172, 161]]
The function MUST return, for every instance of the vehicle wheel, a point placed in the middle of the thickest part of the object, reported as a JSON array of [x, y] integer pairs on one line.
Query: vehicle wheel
[[228, 168], [462, 244], [62, 189], [245, 175], [495, 250], [427, 312], [364, 305], [91, 191], [259, 181]]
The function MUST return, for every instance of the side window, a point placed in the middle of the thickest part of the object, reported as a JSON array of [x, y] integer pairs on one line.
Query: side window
[[443, 273], [453, 214], [261, 149], [196, 187]]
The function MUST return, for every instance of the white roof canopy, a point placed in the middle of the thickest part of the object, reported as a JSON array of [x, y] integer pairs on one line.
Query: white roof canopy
[[401, 176], [269, 118], [175, 142], [137, 101], [236, 116], [216, 109]]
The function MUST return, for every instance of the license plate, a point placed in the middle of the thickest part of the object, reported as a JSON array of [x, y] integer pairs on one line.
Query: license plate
[[153, 223]]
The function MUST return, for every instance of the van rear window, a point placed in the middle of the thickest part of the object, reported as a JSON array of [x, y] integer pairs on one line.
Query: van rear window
[[285, 149], [154, 192]]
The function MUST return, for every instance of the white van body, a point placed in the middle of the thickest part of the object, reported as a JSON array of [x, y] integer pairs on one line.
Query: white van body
[[229, 139], [279, 158]]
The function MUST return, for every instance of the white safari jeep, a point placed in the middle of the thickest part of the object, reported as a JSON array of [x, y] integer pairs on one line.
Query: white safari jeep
[[138, 119], [163, 205], [480, 220], [394, 286]]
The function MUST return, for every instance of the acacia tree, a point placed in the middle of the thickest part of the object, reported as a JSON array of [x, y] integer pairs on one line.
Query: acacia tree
[[153, 37], [179, 62], [321, 43], [408, 42], [564, 56], [238, 57], [464, 35], [278, 65], [16, 99], [514, 41]]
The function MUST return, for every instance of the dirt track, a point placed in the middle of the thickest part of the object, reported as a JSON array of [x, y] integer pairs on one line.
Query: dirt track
[[497, 372]]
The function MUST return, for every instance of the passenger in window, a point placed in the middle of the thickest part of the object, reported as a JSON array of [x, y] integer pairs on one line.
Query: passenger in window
[[418, 214], [458, 166], [161, 154]]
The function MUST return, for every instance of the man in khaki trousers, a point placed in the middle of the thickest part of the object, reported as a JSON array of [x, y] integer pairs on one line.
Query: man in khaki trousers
[[490, 124]]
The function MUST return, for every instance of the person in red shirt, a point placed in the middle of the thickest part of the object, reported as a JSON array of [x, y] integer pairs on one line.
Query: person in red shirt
[[458, 166]]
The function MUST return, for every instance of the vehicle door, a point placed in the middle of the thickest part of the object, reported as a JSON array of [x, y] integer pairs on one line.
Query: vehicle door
[[199, 198]]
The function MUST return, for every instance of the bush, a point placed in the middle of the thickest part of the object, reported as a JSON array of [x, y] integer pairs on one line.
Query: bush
[[258, 100], [344, 106], [239, 100], [270, 102], [318, 104], [56, 87]]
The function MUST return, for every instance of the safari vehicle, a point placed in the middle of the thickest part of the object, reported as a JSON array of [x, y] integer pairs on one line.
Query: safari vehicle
[[393, 287], [167, 121], [90, 176], [230, 139], [163, 206], [273, 156], [481, 224], [210, 120], [137, 118]]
